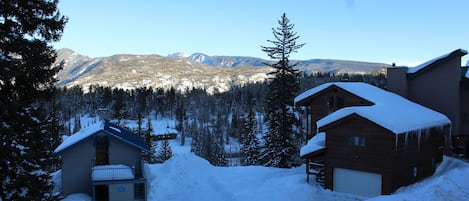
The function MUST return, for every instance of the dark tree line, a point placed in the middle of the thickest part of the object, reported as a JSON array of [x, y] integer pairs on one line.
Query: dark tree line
[[209, 119]]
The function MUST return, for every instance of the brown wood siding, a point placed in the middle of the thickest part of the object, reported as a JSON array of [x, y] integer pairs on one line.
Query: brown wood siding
[[375, 156], [380, 154], [319, 104], [423, 155]]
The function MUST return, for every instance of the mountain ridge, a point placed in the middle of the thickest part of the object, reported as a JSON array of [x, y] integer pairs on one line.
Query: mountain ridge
[[212, 73]]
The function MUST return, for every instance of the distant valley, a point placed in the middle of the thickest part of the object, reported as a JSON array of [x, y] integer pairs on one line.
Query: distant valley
[[212, 73]]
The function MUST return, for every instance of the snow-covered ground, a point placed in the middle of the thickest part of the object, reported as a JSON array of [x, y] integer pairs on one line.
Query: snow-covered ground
[[187, 177]]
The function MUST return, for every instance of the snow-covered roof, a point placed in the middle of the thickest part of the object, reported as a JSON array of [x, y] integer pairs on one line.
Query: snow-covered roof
[[80, 135], [311, 92], [424, 65], [390, 110], [107, 128], [111, 172], [316, 143]]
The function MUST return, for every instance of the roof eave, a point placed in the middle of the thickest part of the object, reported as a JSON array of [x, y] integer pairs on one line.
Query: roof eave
[[458, 52], [146, 149], [74, 144], [314, 153]]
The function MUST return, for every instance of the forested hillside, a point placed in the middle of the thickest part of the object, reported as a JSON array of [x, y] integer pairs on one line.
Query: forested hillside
[[212, 120]]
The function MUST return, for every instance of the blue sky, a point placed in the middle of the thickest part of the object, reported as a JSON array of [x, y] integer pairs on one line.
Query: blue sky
[[401, 31]]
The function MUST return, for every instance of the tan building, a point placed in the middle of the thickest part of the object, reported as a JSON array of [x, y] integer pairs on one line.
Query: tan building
[[441, 84]]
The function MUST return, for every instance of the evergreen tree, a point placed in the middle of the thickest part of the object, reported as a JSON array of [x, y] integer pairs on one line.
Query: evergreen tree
[[26, 79], [180, 115], [180, 121], [218, 154], [119, 106], [281, 148], [139, 125], [149, 157], [106, 97], [77, 126], [164, 152], [234, 128], [250, 143], [218, 157]]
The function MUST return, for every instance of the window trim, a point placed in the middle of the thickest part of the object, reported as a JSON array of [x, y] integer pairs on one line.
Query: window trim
[[356, 140]]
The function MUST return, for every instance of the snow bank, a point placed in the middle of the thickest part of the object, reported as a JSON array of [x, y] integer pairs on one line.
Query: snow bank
[[448, 183], [57, 180], [188, 177], [78, 197]]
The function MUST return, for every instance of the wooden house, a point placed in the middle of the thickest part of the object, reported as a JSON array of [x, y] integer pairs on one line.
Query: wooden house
[[442, 85], [374, 141], [104, 161]]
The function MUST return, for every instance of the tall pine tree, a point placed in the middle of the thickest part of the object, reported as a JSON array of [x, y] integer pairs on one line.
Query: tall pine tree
[[26, 80], [282, 140], [250, 143]]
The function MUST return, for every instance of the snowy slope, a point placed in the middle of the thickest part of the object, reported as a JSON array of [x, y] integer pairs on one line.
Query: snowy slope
[[213, 73], [187, 177]]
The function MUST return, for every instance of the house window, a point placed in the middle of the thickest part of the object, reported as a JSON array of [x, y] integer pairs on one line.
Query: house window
[[359, 141]]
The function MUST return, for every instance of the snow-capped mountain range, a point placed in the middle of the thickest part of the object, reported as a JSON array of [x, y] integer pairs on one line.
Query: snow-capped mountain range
[[213, 73]]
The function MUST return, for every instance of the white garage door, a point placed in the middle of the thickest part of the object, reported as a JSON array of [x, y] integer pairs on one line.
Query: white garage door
[[357, 182]]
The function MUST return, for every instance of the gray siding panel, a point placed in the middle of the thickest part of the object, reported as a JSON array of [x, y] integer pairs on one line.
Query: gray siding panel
[[76, 168], [397, 80], [121, 153], [439, 89]]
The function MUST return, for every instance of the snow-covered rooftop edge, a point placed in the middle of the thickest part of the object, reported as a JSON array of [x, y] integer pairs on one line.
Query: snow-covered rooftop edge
[[423, 65], [80, 135], [316, 143], [311, 92], [390, 110]]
